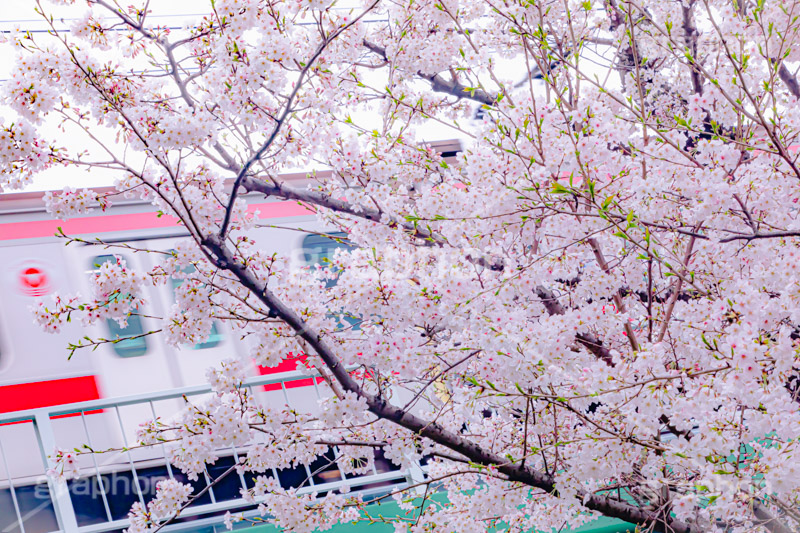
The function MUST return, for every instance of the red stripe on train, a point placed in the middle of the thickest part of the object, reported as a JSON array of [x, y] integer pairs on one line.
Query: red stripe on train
[[287, 365], [107, 223], [47, 393]]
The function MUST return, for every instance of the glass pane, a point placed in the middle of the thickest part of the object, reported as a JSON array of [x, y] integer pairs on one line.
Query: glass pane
[[131, 345], [214, 336], [318, 250]]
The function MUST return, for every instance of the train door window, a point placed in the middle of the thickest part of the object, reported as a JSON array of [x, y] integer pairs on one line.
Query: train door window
[[214, 336], [133, 343], [318, 250]]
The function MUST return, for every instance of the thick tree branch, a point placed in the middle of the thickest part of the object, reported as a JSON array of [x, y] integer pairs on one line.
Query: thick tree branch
[[690, 36], [789, 79], [317, 199], [761, 235], [431, 430], [439, 84], [769, 521]]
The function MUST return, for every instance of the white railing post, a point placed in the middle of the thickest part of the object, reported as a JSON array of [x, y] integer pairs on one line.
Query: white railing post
[[415, 476], [59, 492]]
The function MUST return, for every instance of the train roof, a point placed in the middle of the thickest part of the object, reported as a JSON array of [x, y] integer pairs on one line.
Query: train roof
[[24, 220], [32, 202]]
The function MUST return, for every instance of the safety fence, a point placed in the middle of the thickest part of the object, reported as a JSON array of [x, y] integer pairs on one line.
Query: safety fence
[[111, 481]]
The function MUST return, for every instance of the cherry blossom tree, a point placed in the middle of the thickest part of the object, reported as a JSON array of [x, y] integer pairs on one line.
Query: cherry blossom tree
[[591, 310]]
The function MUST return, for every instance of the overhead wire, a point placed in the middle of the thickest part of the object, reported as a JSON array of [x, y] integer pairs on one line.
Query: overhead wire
[[176, 28]]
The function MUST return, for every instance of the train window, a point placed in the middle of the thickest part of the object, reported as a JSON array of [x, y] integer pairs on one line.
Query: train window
[[110, 494], [214, 336], [133, 343], [318, 250], [34, 504]]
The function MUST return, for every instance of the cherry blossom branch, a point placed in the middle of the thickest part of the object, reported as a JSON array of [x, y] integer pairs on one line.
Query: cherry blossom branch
[[180, 83], [95, 343], [424, 428], [314, 198], [757, 118], [439, 84], [195, 497], [91, 78], [678, 285], [318, 199], [287, 110], [768, 125]]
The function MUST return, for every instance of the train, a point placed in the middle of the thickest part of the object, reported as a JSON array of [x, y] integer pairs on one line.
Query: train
[[34, 367], [34, 263], [37, 373], [35, 370]]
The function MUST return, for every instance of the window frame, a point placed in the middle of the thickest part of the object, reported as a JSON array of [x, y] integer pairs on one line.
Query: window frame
[[132, 345]]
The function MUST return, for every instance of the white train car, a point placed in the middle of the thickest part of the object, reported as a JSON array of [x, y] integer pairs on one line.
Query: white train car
[[34, 263], [35, 371]]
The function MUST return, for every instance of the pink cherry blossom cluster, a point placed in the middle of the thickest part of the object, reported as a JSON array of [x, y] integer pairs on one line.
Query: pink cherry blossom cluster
[[301, 513], [22, 154], [52, 317], [72, 202], [170, 497], [64, 464]]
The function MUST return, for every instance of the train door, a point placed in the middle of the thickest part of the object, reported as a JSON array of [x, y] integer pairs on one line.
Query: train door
[[134, 362], [29, 274]]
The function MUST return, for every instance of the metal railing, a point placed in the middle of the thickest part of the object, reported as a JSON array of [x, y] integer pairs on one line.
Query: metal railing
[[32, 502]]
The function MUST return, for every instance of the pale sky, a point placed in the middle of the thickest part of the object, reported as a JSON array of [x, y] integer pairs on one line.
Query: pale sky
[[20, 14]]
